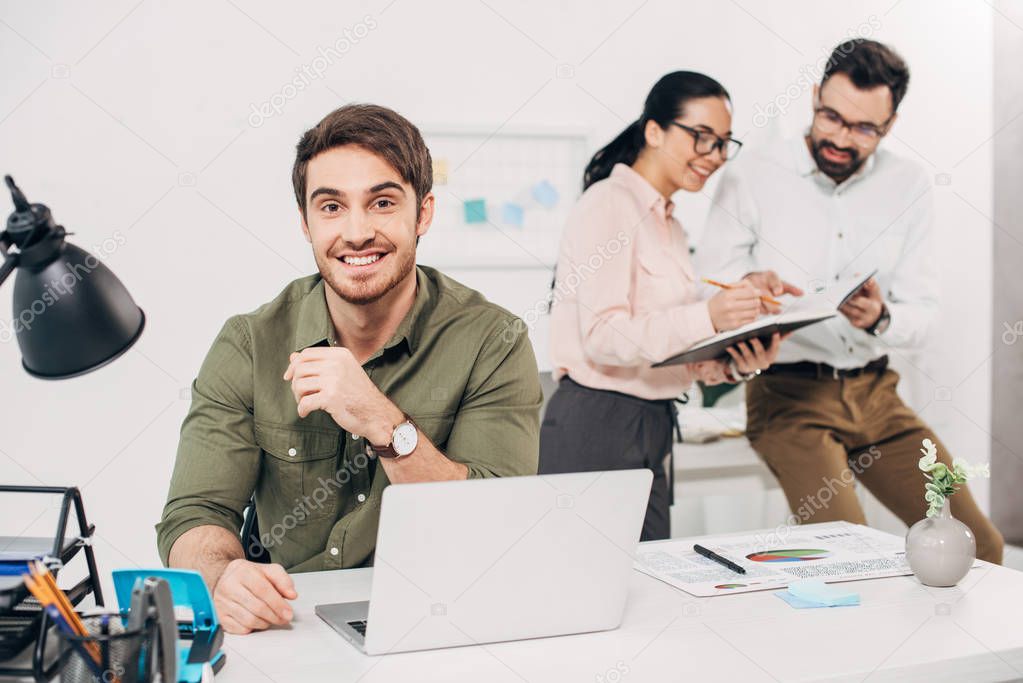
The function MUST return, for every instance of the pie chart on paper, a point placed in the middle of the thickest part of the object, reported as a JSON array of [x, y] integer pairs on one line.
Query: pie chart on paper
[[789, 555]]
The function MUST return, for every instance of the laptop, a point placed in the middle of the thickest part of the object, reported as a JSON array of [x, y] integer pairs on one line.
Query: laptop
[[490, 560]]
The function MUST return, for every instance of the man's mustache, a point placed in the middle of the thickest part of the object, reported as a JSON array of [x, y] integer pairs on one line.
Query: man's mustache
[[851, 151]]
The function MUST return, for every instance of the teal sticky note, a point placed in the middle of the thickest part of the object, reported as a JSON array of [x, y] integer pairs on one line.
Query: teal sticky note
[[475, 210], [545, 194], [818, 593], [799, 603], [512, 214]]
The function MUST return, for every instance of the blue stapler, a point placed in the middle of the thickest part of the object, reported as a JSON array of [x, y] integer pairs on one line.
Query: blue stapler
[[199, 636]]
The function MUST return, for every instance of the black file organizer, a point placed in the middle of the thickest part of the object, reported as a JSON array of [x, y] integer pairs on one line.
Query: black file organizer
[[23, 622]]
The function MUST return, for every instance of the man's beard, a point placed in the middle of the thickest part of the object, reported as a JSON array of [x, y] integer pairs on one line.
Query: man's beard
[[836, 171], [364, 292]]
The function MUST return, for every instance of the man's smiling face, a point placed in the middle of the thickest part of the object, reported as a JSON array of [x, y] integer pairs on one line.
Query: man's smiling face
[[362, 219]]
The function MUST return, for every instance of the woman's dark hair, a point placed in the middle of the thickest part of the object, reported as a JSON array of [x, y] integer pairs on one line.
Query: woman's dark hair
[[666, 101], [869, 64]]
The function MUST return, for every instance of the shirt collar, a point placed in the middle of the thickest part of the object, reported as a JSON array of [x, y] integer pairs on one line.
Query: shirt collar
[[646, 193], [315, 327], [807, 166]]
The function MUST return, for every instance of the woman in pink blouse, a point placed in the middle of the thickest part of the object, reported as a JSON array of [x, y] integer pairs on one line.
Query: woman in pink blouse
[[625, 295]]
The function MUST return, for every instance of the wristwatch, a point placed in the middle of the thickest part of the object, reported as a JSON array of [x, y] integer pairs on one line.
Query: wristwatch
[[883, 321], [404, 439], [733, 370]]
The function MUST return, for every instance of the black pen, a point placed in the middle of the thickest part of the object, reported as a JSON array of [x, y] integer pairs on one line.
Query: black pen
[[711, 555]]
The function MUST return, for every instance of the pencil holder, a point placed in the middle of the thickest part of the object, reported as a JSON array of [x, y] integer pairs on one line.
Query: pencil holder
[[111, 657]]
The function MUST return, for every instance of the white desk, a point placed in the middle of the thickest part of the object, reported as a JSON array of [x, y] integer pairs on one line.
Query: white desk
[[902, 631]]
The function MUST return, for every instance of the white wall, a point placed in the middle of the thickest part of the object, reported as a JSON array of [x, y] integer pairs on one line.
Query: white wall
[[135, 121]]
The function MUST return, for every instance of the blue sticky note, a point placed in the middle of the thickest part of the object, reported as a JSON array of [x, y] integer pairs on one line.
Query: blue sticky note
[[799, 603], [475, 210], [512, 214], [810, 593], [545, 194]]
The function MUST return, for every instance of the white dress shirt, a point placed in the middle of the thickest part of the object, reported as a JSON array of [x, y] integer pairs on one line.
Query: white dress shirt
[[775, 210]]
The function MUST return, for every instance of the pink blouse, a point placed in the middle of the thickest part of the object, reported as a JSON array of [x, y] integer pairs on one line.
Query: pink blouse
[[626, 295]]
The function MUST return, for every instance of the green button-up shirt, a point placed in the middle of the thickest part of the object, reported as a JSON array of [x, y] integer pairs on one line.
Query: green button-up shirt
[[462, 367]]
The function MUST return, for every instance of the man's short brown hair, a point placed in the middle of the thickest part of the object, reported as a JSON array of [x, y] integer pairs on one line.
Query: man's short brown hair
[[382, 131]]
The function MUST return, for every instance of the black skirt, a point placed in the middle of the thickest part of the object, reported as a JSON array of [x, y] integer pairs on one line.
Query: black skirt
[[590, 430]]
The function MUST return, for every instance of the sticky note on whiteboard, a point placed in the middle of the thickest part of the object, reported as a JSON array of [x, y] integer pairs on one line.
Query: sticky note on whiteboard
[[440, 171], [512, 214], [545, 194], [475, 210]]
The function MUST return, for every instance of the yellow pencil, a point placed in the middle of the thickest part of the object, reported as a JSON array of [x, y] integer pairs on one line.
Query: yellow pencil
[[722, 285], [42, 585]]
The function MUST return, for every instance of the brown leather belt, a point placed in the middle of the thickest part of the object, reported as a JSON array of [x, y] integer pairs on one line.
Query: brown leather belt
[[821, 370]]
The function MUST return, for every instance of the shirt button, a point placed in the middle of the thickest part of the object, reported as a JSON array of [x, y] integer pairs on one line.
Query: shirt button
[[361, 497], [333, 551], [839, 235], [355, 437], [292, 452]]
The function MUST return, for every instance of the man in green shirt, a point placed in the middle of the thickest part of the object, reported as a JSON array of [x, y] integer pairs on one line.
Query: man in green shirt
[[374, 371]]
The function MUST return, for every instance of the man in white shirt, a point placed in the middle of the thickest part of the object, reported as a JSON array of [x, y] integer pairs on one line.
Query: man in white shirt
[[822, 207]]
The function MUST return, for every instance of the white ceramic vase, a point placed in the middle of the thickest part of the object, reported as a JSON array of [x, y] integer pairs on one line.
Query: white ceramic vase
[[940, 549]]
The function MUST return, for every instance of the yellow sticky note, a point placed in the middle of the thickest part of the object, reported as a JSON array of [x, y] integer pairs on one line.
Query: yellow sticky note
[[440, 171]]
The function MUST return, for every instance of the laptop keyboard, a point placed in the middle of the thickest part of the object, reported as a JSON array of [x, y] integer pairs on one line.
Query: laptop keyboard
[[359, 626]]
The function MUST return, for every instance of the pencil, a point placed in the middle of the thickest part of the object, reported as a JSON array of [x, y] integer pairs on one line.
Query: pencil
[[61, 599], [722, 285], [41, 584], [77, 646]]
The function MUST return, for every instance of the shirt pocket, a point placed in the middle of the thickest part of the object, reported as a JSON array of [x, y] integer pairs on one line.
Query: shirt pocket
[[887, 252], [436, 427], [300, 468], [659, 286]]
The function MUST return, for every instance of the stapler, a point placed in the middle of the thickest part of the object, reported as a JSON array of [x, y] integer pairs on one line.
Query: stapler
[[189, 620]]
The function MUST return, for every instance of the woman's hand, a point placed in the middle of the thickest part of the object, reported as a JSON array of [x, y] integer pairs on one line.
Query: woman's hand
[[734, 307], [753, 357]]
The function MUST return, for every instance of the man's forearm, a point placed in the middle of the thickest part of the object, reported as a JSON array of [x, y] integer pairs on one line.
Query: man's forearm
[[426, 463], [208, 549]]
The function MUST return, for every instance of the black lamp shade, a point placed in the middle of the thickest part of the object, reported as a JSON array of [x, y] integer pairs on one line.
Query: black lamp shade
[[72, 315]]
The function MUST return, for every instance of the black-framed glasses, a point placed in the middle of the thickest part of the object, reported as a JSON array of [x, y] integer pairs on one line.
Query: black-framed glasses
[[830, 121], [705, 142]]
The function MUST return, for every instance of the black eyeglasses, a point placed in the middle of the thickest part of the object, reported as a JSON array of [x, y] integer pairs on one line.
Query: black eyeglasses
[[864, 133], [705, 142]]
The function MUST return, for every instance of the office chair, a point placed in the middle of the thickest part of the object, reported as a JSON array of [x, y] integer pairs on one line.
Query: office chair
[[253, 547], [547, 386]]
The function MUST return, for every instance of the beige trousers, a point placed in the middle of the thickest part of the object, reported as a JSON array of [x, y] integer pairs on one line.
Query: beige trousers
[[819, 436]]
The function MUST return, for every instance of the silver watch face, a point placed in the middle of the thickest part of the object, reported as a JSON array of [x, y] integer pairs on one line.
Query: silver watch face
[[405, 438]]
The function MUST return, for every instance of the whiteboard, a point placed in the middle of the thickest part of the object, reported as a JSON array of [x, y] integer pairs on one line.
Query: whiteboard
[[500, 166]]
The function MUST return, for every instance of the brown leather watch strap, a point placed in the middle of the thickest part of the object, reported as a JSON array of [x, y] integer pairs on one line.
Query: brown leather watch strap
[[388, 450]]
